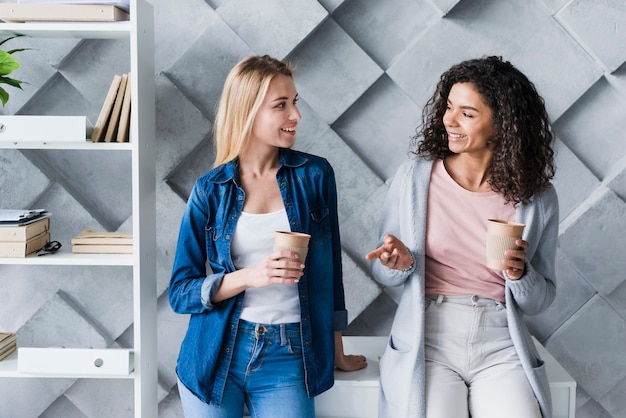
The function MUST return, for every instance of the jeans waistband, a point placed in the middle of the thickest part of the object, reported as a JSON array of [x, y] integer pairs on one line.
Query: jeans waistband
[[469, 300], [270, 331]]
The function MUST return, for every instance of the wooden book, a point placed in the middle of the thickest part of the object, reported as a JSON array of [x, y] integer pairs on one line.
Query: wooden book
[[23, 233], [6, 338], [91, 237], [99, 128], [19, 12], [23, 248], [123, 130], [102, 249], [114, 118], [8, 350]]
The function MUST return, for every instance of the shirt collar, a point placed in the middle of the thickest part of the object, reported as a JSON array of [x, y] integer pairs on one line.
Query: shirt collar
[[230, 170]]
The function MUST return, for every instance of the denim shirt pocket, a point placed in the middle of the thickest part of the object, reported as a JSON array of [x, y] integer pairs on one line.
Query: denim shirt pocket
[[318, 215], [212, 236], [319, 225]]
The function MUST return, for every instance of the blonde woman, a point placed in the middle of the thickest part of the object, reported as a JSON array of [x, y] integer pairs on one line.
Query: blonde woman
[[264, 331]]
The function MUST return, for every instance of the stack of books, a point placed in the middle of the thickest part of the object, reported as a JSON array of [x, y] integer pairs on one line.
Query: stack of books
[[113, 124], [23, 232], [8, 344], [92, 242]]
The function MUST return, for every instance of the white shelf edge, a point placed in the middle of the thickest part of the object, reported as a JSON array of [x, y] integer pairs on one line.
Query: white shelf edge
[[87, 145], [77, 30], [67, 258]]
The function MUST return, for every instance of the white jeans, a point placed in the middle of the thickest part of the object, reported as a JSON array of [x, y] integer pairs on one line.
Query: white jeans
[[472, 368]]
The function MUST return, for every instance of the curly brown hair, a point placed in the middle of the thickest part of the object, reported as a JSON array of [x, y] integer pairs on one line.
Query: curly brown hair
[[523, 157]]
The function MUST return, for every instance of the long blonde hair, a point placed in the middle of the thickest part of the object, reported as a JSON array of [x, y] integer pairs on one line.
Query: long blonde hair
[[244, 90]]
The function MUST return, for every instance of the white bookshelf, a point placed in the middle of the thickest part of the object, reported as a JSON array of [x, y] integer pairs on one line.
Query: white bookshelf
[[139, 32]]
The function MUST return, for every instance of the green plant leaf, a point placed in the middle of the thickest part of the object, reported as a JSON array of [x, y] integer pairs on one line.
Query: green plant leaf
[[4, 96], [18, 50], [8, 64], [11, 81], [11, 37]]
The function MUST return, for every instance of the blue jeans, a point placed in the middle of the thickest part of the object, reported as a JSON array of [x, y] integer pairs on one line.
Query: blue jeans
[[266, 373], [472, 368]]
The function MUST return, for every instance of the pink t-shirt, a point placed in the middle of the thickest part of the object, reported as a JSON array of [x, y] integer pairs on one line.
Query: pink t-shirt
[[456, 229]]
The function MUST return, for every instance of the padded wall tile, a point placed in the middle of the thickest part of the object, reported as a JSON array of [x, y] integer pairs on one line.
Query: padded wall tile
[[376, 319], [62, 407], [98, 180], [593, 355], [106, 58], [180, 129], [572, 181], [417, 69], [355, 181], [201, 71], [273, 27], [554, 79], [46, 100], [61, 323], [28, 397], [68, 216], [332, 71], [586, 406], [580, 18], [389, 118], [23, 292], [103, 398], [38, 65], [617, 299], [182, 178], [599, 146], [617, 182], [361, 289], [572, 292], [444, 6], [14, 167], [384, 29], [331, 5], [171, 331], [599, 220], [176, 27], [614, 401], [110, 289], [359, 232], [169, 211]]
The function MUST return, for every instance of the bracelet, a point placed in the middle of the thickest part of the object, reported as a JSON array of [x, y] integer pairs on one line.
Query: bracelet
[[409, 268]]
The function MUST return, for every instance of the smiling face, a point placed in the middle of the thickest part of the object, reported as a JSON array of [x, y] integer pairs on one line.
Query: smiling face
[[277, 118], [468, 121]]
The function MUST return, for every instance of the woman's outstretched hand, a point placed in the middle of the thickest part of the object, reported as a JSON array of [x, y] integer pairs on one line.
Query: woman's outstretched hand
[[392, 254]]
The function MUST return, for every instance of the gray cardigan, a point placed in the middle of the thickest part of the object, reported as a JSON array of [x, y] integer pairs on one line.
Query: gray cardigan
[[402, 385]]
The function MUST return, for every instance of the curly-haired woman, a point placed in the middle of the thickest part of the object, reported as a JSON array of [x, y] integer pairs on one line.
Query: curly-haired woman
[[458, 344]]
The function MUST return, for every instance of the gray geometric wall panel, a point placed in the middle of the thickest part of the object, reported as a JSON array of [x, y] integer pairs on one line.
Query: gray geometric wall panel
[[364, 71]]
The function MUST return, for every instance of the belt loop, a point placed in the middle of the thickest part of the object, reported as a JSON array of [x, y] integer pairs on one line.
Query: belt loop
[[439, 300], [283, 335]]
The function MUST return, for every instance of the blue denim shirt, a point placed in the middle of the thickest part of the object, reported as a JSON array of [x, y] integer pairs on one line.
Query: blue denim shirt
[[308, 188]]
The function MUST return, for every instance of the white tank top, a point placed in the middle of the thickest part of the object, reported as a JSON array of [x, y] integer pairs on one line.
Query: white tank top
[[253, 239]]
